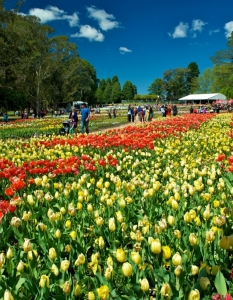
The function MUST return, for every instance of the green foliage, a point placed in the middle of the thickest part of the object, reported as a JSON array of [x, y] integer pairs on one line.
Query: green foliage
[[116, 92], [128, 90]]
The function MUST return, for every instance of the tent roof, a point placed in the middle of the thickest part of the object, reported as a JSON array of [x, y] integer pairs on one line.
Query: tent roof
[[214, 96]]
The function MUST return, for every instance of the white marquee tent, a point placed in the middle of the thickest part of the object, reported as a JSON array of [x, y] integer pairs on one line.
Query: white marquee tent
[[203, 98]]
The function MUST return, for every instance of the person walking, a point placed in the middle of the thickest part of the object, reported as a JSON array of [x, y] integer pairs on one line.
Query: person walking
[[73, 117], [174, 110], [129, 113], [132, 114], [85, 116], [5, 117]]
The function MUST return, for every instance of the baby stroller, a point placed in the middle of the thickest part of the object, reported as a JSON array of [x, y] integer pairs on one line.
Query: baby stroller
[[68, 127]]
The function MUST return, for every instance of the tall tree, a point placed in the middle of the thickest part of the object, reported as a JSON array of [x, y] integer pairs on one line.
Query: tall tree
[[99, 95], [116, 92], [114, 79], [128, 90], [205, 82], [157, 87], [102, 84], [108, 92]]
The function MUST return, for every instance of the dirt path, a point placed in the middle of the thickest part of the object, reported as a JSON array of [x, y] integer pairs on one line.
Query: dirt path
[[116, 127]]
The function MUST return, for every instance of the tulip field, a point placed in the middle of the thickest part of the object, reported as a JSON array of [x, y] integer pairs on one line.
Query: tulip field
[[141, 212]]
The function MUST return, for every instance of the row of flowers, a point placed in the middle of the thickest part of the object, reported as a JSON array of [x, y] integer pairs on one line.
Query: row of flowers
[[114, 220]]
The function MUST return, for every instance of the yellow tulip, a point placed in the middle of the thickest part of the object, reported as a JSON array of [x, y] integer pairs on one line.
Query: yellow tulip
[[224, 243], [120, 255], [166, 252], [194, 295], [178, 271], [66, 287], [204, 282], [136, 258], [144, 285], [73, 235], [8, 295], [64, 265], [155, 246], [91, 296], [193, 239], [52, 253], [165, 290], [176, 259], [80, 260], [54, 270], [194, 270], [103, 292], [27, 246], [44, 281], [77, 290], [127, 269]]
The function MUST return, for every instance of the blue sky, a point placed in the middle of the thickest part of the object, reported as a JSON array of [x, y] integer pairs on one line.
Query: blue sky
[[139, 40]]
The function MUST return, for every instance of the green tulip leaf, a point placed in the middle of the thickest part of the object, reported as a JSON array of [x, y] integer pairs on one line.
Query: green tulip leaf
[[220, 283]]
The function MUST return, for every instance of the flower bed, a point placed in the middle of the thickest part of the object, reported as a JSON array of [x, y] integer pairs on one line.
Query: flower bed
[[129, 214]]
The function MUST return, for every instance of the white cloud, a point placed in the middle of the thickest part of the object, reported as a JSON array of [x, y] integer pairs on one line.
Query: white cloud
[[180, 31], [214, 31], [123, 50], [106, 21], [52, 13], [229, 28], [90, 33], [197, 25]]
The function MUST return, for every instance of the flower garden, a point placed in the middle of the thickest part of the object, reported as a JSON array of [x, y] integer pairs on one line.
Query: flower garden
[[142, 212]]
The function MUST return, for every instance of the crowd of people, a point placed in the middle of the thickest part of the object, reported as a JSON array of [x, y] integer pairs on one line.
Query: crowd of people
[[146, 113]]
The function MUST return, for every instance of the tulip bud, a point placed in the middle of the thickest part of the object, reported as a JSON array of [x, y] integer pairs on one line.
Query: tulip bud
[[206, 214], [127, 269], [176, 259], [101, 242], [68, 224], [108, 272], [30, 200], [52, 253], [9, 253], [194, 270], [58, 234], [210, 237], [136, 258], [204, 282], [193, 239], [111, 224], [166, 252], [194, 295], [109, 261], [171, 220], [2, 260], [224, 243], [77, 290], [165, 290], [15, 222], [73, 235], [7, 295], [178, 271], [66, 287], [177, 234], [187, 217], [20, 266], [120, 255], [64, 265], [27, 246], [91, 296], [156, 247], [89, 208], [44, 281], [174, 204], [144, 285], [54, 270], [80, 260], [103, 292]]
